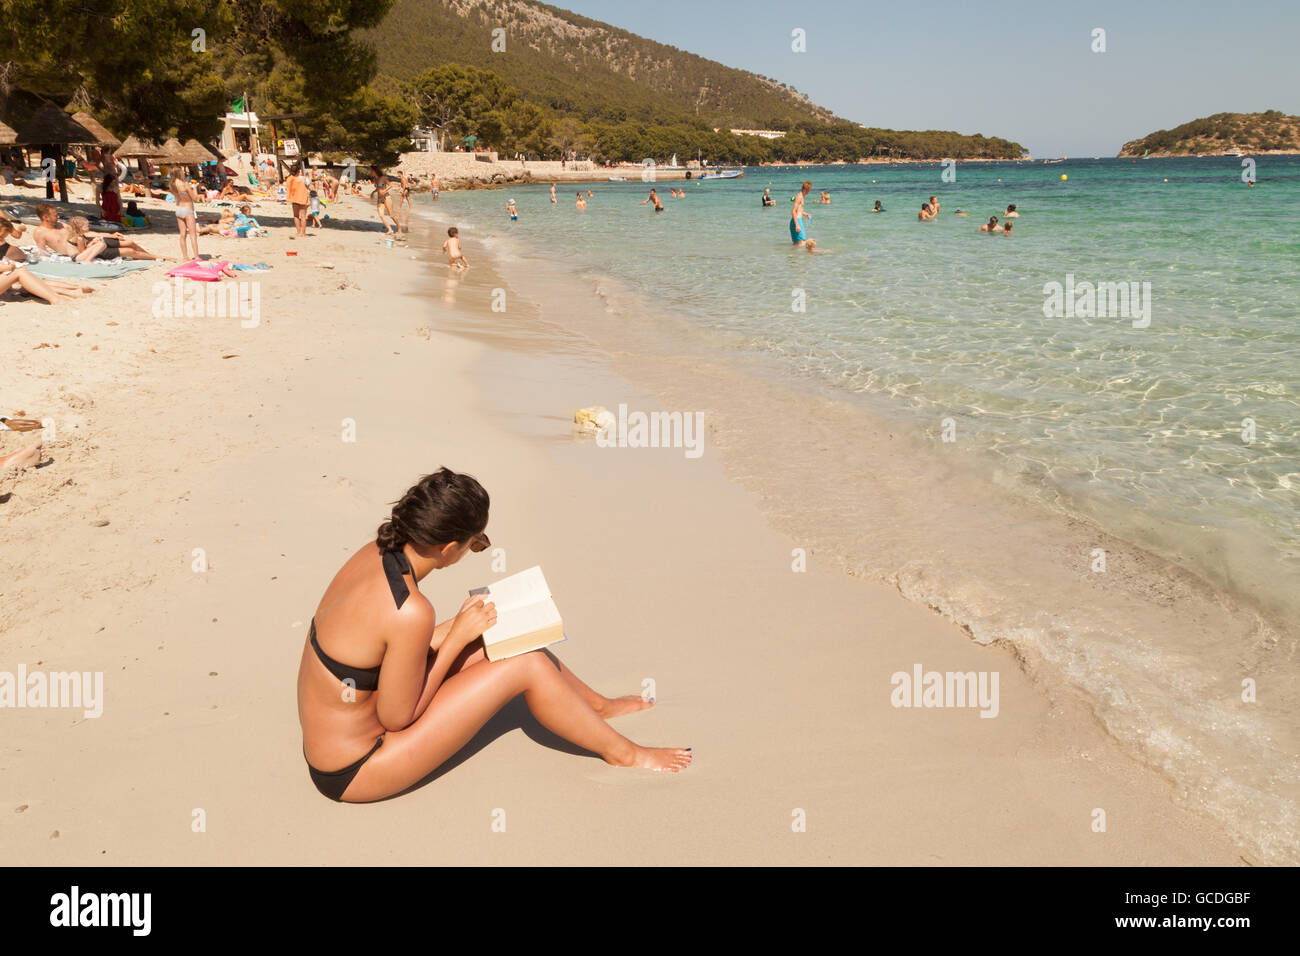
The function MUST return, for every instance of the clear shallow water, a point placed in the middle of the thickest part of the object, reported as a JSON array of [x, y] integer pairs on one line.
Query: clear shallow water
[[1138, 430], [942, 320]]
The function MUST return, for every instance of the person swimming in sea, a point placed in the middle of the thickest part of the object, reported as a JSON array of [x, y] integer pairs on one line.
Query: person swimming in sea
[[878, 207], [958, 212], [991, 226], [926, 213], [1011, 212], [581, 203], [934, 205], [654, 198], [767, 198], [1006, 228]]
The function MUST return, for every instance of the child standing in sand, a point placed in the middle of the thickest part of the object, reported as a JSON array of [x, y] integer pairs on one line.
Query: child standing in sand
[[455, 255]]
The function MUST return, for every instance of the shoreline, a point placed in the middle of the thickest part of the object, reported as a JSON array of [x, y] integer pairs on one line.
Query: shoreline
[[460, 171], [1148, 592], [664, 567]]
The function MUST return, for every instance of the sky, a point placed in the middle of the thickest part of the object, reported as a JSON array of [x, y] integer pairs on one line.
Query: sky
[[1020, 70]]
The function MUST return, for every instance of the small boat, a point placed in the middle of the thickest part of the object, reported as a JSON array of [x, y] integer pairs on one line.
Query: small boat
[[618, 179], [729, 174]]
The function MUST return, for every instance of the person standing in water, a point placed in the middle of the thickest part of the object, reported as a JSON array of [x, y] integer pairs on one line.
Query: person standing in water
[[767, 198], [654, 198], [552, 192], [798, 235]]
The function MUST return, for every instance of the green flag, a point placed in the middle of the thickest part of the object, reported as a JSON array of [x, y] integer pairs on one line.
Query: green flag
[[237, 106]]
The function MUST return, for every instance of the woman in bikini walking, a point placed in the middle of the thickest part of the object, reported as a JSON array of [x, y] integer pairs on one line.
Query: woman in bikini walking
[[386, 694]]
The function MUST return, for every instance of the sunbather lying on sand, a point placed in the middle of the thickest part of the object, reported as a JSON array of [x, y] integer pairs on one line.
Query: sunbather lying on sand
[[14, 276], [23, 457], [225, 227], [10, 233], [105, 245]]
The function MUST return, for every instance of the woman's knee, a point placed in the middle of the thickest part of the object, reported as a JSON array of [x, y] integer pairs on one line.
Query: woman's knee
[[533, 664]]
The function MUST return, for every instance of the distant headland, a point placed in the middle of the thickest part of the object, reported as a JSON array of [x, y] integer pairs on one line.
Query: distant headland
[[1223, 134]]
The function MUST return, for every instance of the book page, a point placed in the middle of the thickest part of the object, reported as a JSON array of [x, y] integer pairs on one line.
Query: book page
[[526, 587], [522, 620]]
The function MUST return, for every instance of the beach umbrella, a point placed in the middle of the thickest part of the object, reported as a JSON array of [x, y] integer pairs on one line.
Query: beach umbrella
[[194, 152], [54, 130], [137, 148], [50, 126], [471, 139], [104, 137]]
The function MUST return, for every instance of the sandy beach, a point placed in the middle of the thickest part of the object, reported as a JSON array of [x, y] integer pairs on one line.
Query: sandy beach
[[200, 491]]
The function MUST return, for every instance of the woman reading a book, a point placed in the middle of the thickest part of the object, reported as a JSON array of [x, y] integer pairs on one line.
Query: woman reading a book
[[386, 693]]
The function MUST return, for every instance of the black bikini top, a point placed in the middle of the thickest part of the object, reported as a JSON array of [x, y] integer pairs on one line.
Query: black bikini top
[[396, 564]]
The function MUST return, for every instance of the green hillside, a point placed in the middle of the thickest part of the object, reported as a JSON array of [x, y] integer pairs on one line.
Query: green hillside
[[582, 67], [568, 84], [1270, 131]]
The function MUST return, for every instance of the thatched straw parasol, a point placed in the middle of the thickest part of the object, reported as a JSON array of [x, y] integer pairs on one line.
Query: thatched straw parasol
[[105, 138], [194, 152], [137, 148], [50, 126], [54, 130], [7, 135], [171, 153]]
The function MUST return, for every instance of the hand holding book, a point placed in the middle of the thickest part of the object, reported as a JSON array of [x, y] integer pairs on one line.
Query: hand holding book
[[529, 618], [476, 615]]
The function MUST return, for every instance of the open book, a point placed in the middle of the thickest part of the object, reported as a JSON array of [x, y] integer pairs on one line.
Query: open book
[[527, 618]]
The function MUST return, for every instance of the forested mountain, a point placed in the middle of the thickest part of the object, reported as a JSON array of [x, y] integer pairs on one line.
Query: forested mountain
[[1270, 131], [582, 67], [522, 76]]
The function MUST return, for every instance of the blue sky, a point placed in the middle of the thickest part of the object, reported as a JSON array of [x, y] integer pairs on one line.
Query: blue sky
[[1021, 70]]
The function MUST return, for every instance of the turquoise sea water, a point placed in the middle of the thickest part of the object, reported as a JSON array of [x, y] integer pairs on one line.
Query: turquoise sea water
[[1180, 434]]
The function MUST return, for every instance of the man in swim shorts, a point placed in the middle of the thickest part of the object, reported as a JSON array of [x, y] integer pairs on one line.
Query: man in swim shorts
[[798, 235]]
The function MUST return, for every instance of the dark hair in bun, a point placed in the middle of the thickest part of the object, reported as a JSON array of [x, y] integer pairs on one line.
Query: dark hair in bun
[[436, 510]]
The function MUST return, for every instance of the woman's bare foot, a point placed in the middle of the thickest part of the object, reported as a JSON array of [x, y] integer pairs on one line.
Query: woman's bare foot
[[31, 455], [617, 706], [659, 759]]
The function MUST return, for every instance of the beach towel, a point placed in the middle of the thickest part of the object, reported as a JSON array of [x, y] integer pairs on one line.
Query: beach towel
[[87, 270]]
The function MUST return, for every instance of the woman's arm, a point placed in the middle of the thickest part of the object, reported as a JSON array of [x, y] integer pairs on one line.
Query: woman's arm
[[402, 679]]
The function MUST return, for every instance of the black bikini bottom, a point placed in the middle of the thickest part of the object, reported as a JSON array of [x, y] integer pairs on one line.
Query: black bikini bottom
[[335, 782]]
